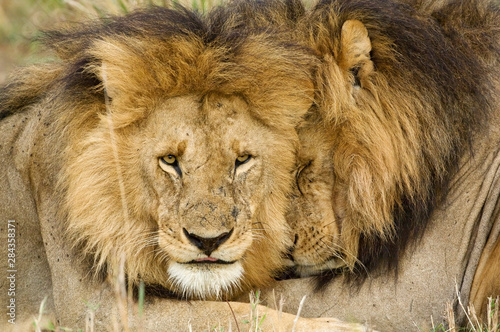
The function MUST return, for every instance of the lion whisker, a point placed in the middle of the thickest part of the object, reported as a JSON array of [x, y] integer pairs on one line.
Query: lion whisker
[[142, 241], [337, 249]]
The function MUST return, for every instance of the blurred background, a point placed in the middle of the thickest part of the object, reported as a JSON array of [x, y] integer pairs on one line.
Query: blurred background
[[21, 21]]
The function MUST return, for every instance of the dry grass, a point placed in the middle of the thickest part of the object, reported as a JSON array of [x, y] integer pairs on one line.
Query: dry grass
[[474, 323], [125, 305]]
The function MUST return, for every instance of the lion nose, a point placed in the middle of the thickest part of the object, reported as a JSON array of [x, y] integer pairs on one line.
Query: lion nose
[[207, 245]]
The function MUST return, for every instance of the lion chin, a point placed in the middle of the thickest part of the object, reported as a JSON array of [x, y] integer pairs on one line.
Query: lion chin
[[205, 280]]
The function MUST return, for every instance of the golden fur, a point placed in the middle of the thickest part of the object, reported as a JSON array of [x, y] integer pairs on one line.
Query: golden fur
[[195, 95], [394, 145]]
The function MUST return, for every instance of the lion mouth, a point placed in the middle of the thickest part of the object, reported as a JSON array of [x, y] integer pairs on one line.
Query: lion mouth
[[209, 260]]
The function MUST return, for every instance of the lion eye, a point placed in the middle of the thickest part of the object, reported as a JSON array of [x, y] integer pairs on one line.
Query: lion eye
[[242, 159], [298, 175], [168, 162]]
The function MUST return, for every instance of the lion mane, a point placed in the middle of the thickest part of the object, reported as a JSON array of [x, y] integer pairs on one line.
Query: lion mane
[[177, 66], [407, 94], [401, 102]]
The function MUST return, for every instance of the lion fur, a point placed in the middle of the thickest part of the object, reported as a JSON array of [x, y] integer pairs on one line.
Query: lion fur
[[201, 69], [419, 109], [377, 213]]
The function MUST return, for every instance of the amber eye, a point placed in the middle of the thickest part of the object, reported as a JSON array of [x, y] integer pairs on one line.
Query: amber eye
[[242, 159], [169, 162]]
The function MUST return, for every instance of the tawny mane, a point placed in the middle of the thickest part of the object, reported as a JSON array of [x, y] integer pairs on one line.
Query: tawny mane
[[399, 137]]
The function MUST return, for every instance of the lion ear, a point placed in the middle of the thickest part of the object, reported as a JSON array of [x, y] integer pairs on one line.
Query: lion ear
[[355, 51]]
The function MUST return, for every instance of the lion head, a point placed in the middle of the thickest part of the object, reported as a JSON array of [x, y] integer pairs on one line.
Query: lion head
[[180, 149], [397, 104]]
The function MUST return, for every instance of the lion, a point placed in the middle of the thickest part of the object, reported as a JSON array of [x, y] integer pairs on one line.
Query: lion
[[398, 166], [392, 165], [155, 149], [408, 152]]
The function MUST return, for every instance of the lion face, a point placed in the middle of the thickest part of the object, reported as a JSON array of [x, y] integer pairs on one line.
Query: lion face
[[189, 185], [331, 162], [315, 213], [181, 170], [206, 164], [380, 148]]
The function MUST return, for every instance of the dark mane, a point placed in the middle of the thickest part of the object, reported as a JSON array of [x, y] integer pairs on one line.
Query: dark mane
[[244, 16], [449, 56], [156, 24]]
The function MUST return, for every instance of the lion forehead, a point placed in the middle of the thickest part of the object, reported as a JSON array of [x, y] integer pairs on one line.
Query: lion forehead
[[204, 126]]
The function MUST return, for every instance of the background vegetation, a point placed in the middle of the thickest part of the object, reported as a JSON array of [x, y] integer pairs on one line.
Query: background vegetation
[[21, 21]]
